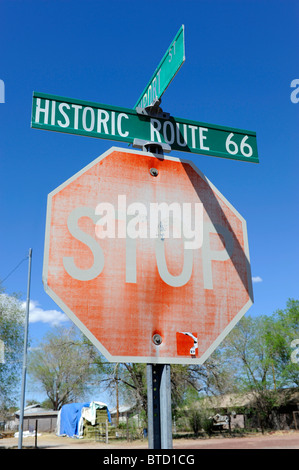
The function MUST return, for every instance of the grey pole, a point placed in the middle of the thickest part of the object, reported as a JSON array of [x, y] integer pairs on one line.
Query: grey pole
[[158, 384], [165, 408], [25, 354], [153, 407], [159, 406]]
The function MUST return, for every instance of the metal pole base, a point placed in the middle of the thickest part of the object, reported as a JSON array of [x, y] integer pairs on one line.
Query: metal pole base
[[159, 406]]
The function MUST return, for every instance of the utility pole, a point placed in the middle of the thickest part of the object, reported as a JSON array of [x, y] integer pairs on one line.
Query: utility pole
[[25, 354]]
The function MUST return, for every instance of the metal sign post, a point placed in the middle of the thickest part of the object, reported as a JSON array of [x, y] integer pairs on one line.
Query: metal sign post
[[25, 354], [159, 406], [158, 386]]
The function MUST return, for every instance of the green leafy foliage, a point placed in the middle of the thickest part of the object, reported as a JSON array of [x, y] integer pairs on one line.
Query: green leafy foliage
[[12, 316]]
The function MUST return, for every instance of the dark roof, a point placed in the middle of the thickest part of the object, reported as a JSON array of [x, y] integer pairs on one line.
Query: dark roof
[[36, 410]]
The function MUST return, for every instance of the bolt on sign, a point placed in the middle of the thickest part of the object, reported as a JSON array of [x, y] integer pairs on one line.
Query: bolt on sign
[[147, 258]]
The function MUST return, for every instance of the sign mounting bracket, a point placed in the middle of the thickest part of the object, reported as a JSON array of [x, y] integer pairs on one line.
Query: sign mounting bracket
[[149, 146], [153, 110]]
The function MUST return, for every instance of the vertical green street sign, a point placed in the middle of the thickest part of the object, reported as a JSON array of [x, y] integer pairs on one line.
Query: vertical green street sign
[[170, 64]]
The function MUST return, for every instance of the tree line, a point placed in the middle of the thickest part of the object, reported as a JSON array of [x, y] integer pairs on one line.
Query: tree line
[[258, 356]]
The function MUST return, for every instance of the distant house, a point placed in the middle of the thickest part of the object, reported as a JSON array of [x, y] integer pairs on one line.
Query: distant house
[[241, 409], [35, 415]]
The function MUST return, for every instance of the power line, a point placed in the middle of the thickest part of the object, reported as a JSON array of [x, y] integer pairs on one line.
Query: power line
[[14, 269]]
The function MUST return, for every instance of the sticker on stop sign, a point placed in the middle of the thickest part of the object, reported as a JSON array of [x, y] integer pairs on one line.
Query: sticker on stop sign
[[147, 258]]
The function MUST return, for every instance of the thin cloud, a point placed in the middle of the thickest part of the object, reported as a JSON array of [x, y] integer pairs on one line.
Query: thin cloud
[[38, 314], [256, 279]]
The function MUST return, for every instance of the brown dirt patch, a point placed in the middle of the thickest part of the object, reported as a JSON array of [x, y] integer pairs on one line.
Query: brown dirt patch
[[273, 440]]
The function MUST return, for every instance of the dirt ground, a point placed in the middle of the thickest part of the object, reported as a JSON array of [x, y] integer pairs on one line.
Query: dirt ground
[[273, 440]]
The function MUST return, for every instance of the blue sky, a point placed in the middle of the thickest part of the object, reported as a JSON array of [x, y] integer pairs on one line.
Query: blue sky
[[241, 57]]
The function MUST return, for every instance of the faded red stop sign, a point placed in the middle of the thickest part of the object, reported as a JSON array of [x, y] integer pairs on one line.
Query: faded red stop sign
[[147, 258]]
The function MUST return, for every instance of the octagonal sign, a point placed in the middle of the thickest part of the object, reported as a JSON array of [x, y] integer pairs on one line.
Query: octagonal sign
[[147, 258]]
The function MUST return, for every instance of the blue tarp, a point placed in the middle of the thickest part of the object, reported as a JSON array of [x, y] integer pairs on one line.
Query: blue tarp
[[70, 416], [69, 419]]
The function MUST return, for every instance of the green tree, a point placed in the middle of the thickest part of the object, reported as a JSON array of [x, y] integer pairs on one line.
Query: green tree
[[128, 382], [199, 418], [130, 379], [64, 365], [12, 316], [260, 349], [195, 421], [247, 347], [286, 331]]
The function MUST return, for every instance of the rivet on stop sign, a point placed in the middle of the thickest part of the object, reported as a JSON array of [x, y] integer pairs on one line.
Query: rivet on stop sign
[[157, 339], [154, 172]]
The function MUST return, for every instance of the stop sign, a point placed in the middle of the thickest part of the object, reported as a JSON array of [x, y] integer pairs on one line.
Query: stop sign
[[147, 258]]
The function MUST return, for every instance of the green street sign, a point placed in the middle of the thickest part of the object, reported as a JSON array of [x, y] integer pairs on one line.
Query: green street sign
[[86, 118], [170, 64]]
